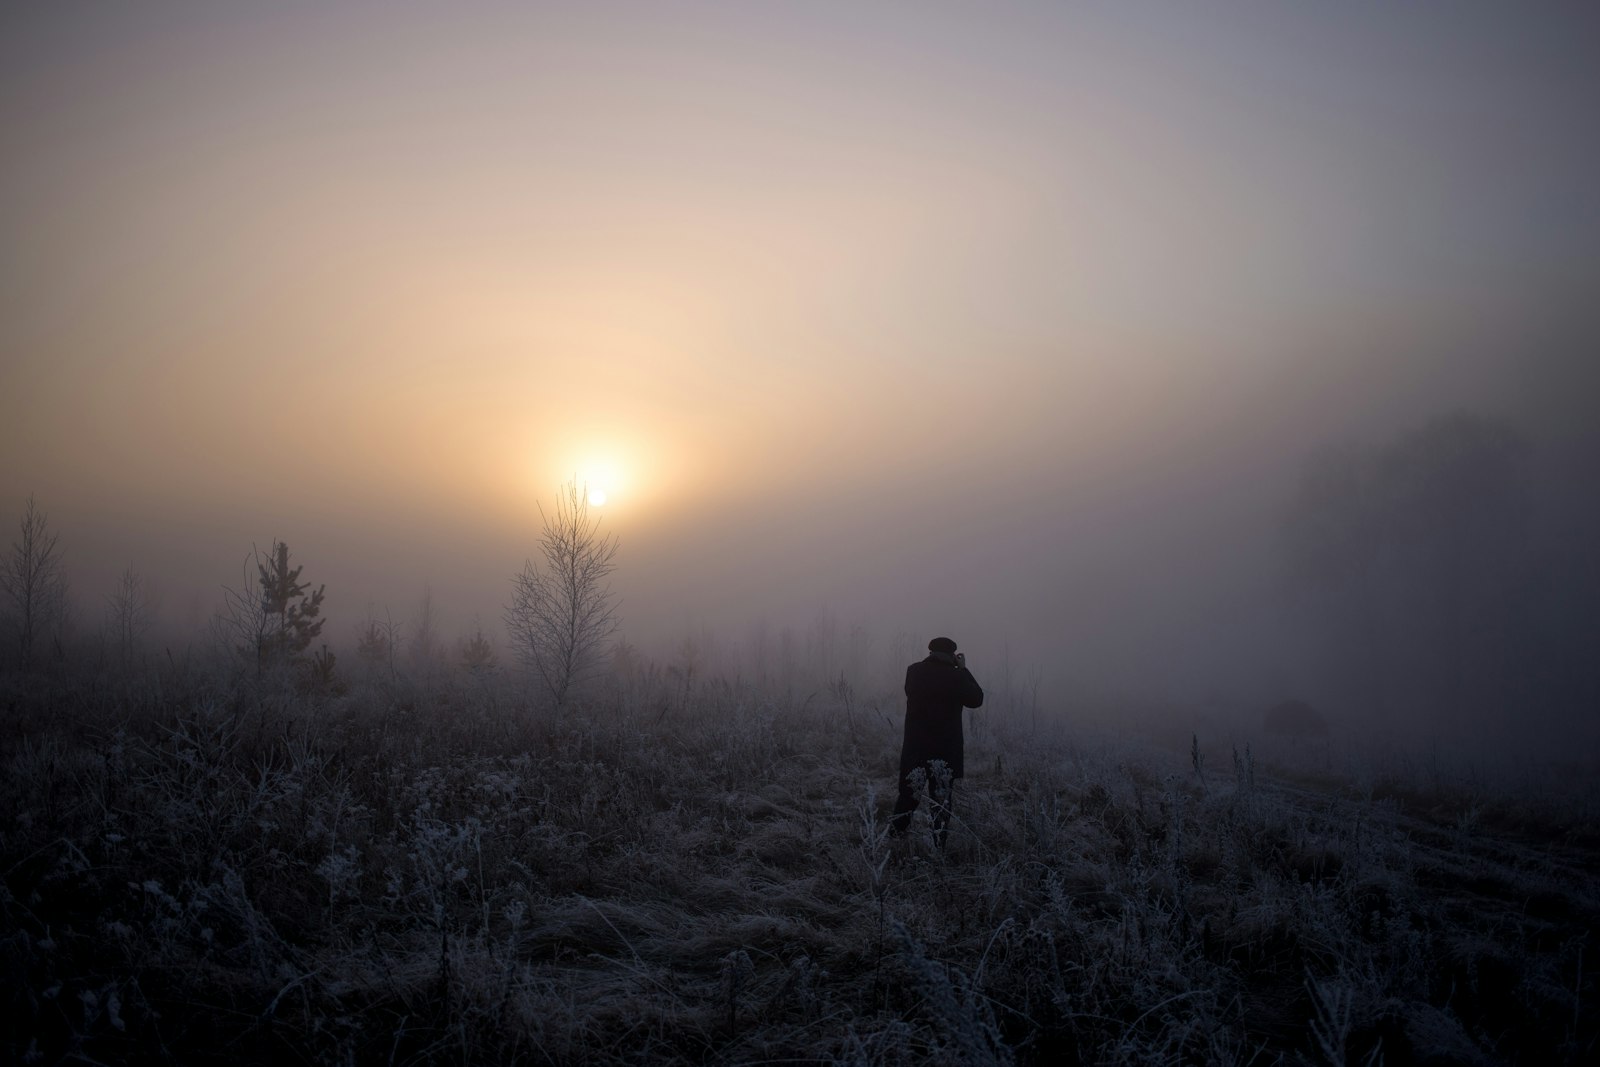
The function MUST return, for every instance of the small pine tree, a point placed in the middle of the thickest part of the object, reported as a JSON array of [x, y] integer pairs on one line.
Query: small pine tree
[[291, 612], [477, 653], [320, 673]]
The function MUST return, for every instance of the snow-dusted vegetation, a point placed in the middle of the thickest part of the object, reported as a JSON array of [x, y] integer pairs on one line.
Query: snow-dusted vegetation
[[201, 866]]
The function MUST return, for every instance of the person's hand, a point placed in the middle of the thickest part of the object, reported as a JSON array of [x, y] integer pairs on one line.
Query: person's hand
[[961, 659]]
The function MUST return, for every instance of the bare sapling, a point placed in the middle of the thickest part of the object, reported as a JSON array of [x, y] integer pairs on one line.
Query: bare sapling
[[563, 612], [33, 584]]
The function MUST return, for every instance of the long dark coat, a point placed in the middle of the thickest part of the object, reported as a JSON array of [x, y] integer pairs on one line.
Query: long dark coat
[[936, 691]]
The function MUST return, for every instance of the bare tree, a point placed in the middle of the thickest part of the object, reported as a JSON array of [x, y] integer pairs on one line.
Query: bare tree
[[376, 641], [129, 609], [241, 624], [562, 613], [32, 580], [424, 645]]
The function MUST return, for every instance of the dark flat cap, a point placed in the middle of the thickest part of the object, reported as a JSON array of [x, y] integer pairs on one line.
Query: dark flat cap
[[941, 644]]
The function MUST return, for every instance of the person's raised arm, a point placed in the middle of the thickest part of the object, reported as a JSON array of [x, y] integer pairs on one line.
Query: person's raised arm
[[971, 691]]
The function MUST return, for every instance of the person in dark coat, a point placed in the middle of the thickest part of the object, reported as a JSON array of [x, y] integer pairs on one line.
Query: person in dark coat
[[937, 688]]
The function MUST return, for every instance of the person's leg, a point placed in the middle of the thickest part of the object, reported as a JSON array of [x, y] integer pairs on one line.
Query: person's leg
[[941, 796], [906, 803]]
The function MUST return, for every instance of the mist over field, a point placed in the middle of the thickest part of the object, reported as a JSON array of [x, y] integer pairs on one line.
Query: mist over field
[[1121, 539], [638, 388]]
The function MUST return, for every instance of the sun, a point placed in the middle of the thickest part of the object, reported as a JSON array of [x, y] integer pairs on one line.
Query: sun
[[600, 480], [597, 477]]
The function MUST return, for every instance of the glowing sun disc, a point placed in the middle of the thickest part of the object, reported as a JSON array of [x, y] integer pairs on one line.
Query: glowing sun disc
[[597, 498]]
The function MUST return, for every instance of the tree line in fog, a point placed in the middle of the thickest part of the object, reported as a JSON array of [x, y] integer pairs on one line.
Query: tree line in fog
[[1437, 575]]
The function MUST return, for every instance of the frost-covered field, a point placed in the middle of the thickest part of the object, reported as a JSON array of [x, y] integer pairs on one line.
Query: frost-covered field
[[201, 870]]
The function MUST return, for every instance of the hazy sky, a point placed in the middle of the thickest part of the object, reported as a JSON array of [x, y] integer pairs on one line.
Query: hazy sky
[[1005, 320]]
